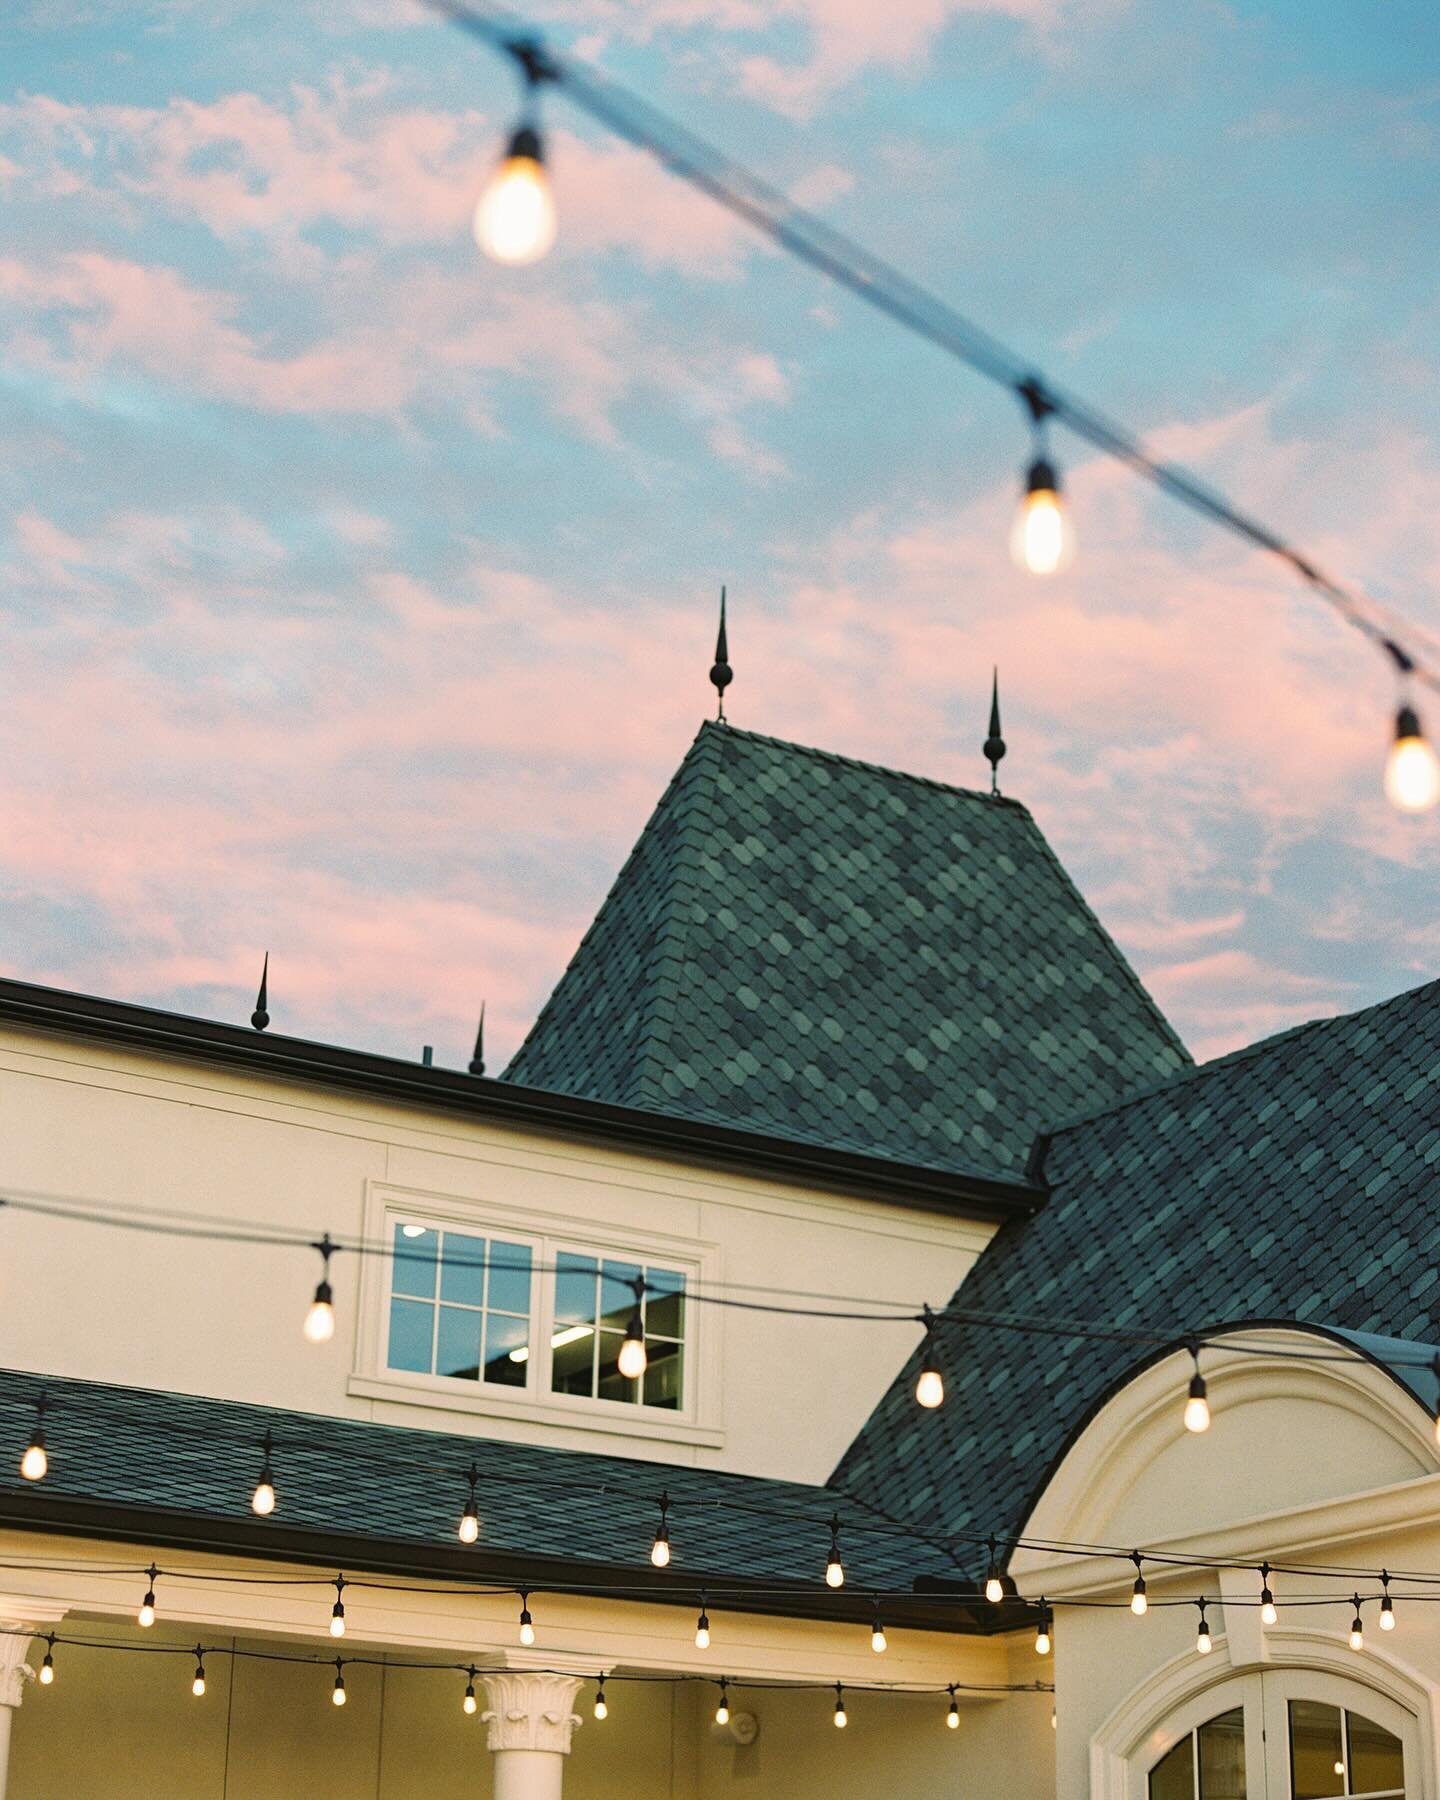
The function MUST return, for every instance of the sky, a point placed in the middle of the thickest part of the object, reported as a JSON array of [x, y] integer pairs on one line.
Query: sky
[[358, 595]]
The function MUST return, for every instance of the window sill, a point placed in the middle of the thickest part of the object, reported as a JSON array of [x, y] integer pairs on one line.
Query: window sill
[[596, 1416]]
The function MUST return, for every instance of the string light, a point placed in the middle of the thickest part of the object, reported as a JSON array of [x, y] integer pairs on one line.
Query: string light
[[47, 1667], [1203, 1641], [35, 1463], [952, 1718], [337, 1611], [1357, 1628], [320, 1320], [1412, 770], [660, 1549], [470, 1519], [527, 1624], [469, 1704], [1197, 1406], [834, 1568], [197, 1686], [633, 1359], [337, 1693], [146, 1614], [1139, 1605], [1043, 1630], [602, 1710], [1268, 1613], [994, 1586], [930, 1388], [878, 1641], [262, 1501], [1042, 540], [1387, 1605], [702, 1628], [515, 219], [722, 1711], [842, 1718]]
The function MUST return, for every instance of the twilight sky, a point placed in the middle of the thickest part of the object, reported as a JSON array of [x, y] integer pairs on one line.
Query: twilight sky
[[358, 595]]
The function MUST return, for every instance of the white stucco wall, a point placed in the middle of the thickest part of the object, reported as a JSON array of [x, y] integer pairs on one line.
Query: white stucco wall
[[781, 1397]]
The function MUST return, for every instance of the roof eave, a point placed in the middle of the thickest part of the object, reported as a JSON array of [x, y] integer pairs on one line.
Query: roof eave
[[151, 1031]]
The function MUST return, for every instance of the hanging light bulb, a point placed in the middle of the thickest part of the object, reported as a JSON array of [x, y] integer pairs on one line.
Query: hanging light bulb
[[146, 1614], [994, 1586], [1412, 770], [952, 1718], [1042, 1630], [930, 1388], [1268, 1613], [470, 1518], [527, 1624], [841, 1717], [469, 1703], [320, 1320], [515, 220], [1203, 1641], [337, 1611], [1139, 1605], [633, 1359], [197, 1686], [1041, 541], [1197, 1406], [1357, 1628], [660, 1549], [834, 1568], [47, 1667], [337, 1693], [878, 1641], [722, 1711], [262, 1501], [35, 1463], [702, 1628], [1387, 1605], [602, 1711]]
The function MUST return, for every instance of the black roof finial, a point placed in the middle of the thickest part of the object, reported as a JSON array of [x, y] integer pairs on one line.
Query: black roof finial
[[260, 1018], [721, 674], [477, 1061], [994, 744]]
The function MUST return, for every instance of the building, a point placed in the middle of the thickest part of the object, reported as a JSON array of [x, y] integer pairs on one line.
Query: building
[[841, 1045]]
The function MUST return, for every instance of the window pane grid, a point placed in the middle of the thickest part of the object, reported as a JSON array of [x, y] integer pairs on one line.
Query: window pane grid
[[596, 1295]]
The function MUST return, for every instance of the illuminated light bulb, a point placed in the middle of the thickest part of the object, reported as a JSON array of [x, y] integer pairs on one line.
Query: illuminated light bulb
[[320, 1323], [1042, 1636], [930, 1388], [702, 1633], [1042, 541], [841, 1717], [633, 1359], [35, 1464], [262, 1501], [879, 1643], [515, 220], [994, 1590], [952, 1718], [1203, 1641], [47, 1668], [527, 1624], [1357, 1633], [1387, 1608], [834, 1568], [1412, 770], [337, 1693], [1268, 1613], [1139, 1604], [469, 1528], [1339, 1768], [1197, 1407], [602, 1711], [722, 1711], [469, 1703], [337, 1611], [146, 1614], [197, 1686], [660, 1549]]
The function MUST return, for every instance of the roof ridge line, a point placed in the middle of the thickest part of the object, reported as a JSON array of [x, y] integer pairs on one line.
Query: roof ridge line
[[873, 768]]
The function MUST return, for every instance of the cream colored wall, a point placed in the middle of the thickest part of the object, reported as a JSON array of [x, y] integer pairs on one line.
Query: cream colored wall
[[121, 1129], [122, 1727]]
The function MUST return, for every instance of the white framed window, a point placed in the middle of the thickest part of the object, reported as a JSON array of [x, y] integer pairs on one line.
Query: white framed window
[[487, 1309]]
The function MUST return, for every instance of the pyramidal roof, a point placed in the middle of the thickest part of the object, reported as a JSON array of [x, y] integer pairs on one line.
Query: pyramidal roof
[[833, 952]]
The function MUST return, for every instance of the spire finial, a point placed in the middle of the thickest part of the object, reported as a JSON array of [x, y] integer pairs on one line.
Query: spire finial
[[721, 674], [260, 1018], [477, 1061], [994, 744]]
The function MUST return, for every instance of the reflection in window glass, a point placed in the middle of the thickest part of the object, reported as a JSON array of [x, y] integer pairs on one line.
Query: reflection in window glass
[[594, 1298], [459, 1306], [1317, 1751], [1173, 1777], [1377, 1757], [1221, 1745]]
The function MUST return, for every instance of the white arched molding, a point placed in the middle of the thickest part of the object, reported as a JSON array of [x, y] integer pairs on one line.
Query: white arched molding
[[1173, 1690], [1143, 1420]]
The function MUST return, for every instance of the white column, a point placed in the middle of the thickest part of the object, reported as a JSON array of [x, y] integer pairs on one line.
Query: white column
[[531, 1718], [15, 1672]]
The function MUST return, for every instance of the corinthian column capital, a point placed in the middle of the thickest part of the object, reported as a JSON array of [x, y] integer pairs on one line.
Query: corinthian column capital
[[530, 1711]]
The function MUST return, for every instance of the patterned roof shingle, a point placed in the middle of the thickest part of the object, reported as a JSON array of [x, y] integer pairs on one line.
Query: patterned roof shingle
[[1294, 1180], [841, 954]]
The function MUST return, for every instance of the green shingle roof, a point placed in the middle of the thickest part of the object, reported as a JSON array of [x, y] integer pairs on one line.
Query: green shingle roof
[[1295, 1180], [838, 953]]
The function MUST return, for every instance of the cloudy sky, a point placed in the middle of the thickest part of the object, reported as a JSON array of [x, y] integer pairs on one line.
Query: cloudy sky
[[358, 595]]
